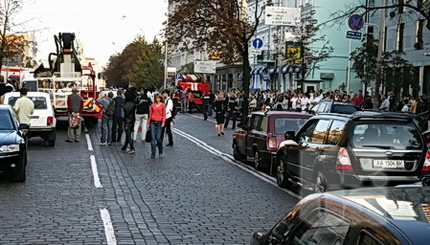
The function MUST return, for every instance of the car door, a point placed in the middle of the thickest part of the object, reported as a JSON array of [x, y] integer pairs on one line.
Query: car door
[[312, 150], [293, 154], [240, 136], [253, 135], [249, 135]]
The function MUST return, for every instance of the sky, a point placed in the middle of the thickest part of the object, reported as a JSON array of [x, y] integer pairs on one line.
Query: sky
[[105, 27]]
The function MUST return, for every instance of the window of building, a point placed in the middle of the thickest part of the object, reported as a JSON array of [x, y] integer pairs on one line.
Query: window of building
[[399, 40], [419, 28]]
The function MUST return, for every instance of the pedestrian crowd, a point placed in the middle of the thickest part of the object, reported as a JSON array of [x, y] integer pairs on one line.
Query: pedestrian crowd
[[150, 113]]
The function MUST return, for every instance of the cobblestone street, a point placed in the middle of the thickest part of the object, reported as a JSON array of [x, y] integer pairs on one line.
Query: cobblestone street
[[190, 196]]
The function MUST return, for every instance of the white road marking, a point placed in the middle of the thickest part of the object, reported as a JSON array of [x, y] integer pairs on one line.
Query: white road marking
[[90, 146], [97, 182], [107, 223], [229, 158]]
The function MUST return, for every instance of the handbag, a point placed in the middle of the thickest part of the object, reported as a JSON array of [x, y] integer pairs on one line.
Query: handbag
[[148, 137]]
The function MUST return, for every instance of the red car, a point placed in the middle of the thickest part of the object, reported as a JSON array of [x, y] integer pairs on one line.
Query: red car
[[260, 136]]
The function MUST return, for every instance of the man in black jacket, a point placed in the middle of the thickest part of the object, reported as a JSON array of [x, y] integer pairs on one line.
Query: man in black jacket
[[142, 111], [232, 108], [129, 108], [118, 120]]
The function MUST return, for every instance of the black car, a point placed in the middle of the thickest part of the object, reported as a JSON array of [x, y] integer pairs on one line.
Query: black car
[[343, 151], [331, 106], [371, 216], [13, 147]]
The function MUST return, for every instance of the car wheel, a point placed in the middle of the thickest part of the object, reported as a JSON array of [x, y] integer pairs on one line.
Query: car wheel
[[282, 174], [20, 174], [257, 160], [320, 183], [236, 153]]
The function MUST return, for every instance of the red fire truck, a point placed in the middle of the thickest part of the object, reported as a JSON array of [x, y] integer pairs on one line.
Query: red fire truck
[[194, 84]]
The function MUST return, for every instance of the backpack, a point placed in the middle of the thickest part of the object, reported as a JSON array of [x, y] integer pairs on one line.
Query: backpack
[[110, 109]]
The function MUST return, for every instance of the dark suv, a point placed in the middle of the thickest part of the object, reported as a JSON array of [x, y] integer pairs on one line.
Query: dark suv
[[331, 106], [335, 150], [261, 135]]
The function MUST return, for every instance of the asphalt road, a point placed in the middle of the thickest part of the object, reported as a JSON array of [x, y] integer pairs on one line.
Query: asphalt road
[[83, 193]]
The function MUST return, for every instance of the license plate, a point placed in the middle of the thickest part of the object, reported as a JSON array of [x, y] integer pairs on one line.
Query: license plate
[[388, 164]]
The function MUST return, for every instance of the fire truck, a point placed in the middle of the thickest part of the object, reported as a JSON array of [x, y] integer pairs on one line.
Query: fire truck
[[196, 85], [64, 73]]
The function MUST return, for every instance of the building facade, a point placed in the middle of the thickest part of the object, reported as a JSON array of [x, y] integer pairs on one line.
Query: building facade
[[404, 30]]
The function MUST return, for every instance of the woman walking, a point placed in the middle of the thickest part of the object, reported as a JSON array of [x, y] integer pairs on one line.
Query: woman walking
[[157, 119], [220, 109]]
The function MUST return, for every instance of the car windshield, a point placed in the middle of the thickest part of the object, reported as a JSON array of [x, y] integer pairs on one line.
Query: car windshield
[[39, 102], [5, 120], [344, 109], [386, 136], [284, 124]]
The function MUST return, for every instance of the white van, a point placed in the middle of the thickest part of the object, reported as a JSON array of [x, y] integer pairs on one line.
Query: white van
[[43, 121]]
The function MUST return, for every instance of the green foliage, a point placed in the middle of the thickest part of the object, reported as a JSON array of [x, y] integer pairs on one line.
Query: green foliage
[[308, 34], [397, 74], [400, 75], [140, 63], [365, 61]]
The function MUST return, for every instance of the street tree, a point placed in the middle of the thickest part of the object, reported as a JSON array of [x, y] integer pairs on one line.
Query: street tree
[[314, 46], [399, 74], [10, 44], [221, 26], [365, 61], [139, 63]]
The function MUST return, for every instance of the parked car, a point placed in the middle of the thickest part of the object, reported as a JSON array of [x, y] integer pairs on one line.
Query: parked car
[[261, 135], [371, 216], [13, 149], [43, 120], [342, 151], [331, 106]]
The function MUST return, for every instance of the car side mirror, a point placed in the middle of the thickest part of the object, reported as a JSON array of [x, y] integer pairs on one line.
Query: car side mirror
[[259, 238], [23, 126], [290, 135]]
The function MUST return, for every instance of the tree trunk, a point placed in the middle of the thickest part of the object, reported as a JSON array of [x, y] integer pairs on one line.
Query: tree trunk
[[246, 79]]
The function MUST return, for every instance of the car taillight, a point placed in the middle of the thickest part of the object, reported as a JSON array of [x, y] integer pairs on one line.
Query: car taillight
[[271, 143], [49, 121], [426, 166], [343, 161]]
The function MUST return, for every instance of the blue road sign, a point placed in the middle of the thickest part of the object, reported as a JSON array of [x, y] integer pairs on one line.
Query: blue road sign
[[355, 22], [257, 43], [353, 35]]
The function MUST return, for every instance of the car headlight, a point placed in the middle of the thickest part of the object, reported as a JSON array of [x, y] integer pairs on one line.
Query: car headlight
[[9, 148]]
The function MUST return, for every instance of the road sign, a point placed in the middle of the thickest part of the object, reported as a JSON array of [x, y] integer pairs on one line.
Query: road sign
[[282, 16], [355, 22], [353, 35], [255, 52], [257, 43], [208, 67]]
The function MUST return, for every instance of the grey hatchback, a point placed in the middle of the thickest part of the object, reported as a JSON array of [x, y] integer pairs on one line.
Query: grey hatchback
[[370, 216], [343, 151]]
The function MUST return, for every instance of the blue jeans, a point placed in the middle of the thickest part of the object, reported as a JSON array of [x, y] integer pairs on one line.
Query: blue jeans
[[156, 137], [106, 129]]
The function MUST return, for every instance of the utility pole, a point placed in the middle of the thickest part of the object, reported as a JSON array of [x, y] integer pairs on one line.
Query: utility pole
[[380, 49], [165, 49]]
